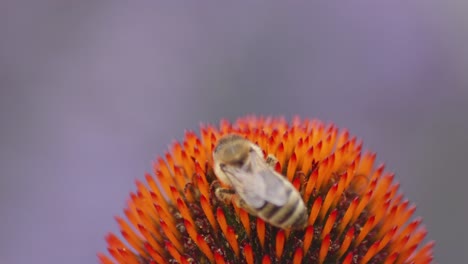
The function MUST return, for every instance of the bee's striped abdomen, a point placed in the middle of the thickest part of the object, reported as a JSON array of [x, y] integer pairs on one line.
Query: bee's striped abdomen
[[291, 215]]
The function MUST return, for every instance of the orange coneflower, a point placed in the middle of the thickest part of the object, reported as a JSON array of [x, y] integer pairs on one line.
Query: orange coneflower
[[356, 213]]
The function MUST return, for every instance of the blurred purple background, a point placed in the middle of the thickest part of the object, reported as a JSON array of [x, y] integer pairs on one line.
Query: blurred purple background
[[92, 92]]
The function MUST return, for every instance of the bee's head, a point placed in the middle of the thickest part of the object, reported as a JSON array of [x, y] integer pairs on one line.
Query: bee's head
[[232, 150]]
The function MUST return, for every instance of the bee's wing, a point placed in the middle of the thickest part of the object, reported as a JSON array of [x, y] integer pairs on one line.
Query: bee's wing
[[259, 185], [275, 191]]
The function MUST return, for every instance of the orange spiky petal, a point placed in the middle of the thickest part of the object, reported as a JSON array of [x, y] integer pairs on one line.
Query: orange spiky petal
[[280, 238], [266, 259], [151, 240], [424, 255], [244, 217], [392, 258], [168, 231], [205, 248], [340, 189], [173, 251], [202, 185], [416, 239], [410, 227], [298, 255], [184, 210], [281, 154], [322, 172], [390, 223], [232, 239], [405, 254], [299, 152], [297, 182], [219, 258], [154, 254], [308, 157], [324, 248], [249, 257], [308, 237], [346, 242], [365, 230], [315, 210], [156, 194], [221, 220], [261, 231], [381, 211], [329, 224], [162, 173], [206, 207], [328, 200], [318, 150], [348, 214], [362, 204], [114, 241], [387, 238], [310, 185], [192, 232], [146, 220], [370, 253], [127, 256], [348, 259], [292, 164], [104, 259], [130, 236]]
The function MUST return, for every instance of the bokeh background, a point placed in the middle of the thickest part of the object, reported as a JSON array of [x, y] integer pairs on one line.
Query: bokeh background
[[93, 91]]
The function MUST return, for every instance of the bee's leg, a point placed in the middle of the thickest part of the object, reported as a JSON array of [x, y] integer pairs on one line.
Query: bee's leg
[[271, 160], [224, 194], [229, 195], [191, 189], [221, 193]]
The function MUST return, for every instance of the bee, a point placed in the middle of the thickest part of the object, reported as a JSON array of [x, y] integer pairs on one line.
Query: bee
[[255, 184]]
